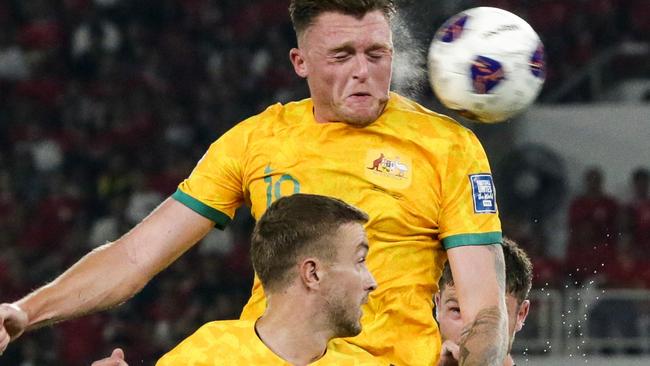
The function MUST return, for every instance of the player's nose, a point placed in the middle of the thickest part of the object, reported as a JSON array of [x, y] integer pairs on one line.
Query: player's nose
[[371, 284], [360, 71]]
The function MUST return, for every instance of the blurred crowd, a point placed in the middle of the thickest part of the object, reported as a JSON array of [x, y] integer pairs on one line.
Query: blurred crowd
[[608, 238], [106, 105]]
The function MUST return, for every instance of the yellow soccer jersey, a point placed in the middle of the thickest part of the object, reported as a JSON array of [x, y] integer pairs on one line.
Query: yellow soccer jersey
[[423, 179], [234, 342]]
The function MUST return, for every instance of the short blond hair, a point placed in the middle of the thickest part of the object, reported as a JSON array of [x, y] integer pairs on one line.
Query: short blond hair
[[303, 12], [291, 229]]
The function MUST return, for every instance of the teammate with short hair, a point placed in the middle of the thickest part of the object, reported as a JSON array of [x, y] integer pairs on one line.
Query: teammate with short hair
[[309, 252], [423, 179], [519, 277]]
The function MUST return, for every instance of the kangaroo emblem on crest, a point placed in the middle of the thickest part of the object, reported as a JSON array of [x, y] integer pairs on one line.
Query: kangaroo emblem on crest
[[377, 162]]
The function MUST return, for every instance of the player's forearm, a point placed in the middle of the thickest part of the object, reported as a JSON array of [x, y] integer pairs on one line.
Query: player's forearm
[[103, 278], [485, 340], [111, 274], [479, 276]]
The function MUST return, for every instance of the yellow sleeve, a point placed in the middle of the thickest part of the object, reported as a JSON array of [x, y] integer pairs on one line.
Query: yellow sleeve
[[469, 214], [214, 189]]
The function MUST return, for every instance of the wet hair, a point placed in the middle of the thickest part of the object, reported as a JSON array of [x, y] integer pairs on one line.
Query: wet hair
[[293, 228], [304, 12], [519, 271]]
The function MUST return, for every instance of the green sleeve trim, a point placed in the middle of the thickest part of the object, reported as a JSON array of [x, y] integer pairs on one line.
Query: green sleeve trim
[[220, 219], [471, 239]]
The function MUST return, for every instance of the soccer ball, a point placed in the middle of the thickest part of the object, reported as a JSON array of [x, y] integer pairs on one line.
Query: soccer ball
[[487, 64]]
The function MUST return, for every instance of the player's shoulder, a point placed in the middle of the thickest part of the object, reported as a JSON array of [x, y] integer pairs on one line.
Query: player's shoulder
[[276, 115], [264, 125], [422, 120], [404, 106], [217, 340], [232, 327], [344, 352]]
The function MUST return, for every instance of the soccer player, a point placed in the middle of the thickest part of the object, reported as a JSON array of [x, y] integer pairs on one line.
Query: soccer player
[[423, 179], [309, 251], [519, 277]]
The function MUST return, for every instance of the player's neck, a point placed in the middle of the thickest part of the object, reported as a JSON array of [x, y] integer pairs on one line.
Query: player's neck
[[509, 361], [288, 331]]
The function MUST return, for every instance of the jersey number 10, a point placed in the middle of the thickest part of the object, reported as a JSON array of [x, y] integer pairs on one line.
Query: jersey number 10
[[274, 191]]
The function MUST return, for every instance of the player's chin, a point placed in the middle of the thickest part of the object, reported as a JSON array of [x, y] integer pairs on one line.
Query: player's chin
[[355, 324], [355, 329], [348, 327], [362, 116]]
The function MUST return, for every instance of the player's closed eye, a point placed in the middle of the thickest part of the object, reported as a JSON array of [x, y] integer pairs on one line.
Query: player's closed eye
[[376, 55], [341, 56]]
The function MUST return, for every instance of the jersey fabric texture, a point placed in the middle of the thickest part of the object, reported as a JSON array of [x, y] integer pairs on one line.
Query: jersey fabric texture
[[423, 179], [235, 342]]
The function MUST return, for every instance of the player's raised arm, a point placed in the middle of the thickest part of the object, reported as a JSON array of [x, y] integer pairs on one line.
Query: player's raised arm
[[110, 274], [479, 277]]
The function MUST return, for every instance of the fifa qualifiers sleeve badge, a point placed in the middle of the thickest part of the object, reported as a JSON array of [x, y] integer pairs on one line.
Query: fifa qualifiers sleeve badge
[[483, 193]]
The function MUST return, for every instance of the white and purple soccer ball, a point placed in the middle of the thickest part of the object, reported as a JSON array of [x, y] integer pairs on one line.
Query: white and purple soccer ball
[[487, 64]]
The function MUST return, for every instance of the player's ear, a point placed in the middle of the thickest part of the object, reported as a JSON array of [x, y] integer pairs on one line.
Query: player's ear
[[298, 61], [522, 314], [309, 270]]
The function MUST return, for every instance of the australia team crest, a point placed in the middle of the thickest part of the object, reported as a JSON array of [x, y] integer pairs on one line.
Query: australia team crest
[[388, 168]]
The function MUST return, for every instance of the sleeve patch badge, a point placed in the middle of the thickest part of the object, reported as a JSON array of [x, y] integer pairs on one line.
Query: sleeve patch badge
[[483, 193]]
